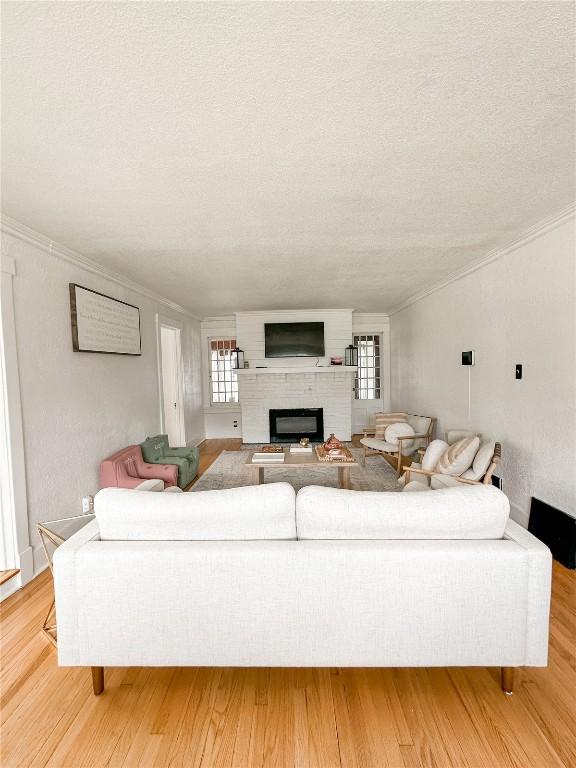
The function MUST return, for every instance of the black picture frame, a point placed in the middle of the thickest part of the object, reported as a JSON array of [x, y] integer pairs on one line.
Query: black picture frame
[[76, 345]]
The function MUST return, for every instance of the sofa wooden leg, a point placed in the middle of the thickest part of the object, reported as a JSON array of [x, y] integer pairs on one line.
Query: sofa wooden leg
[[507, 680], [97, 680]]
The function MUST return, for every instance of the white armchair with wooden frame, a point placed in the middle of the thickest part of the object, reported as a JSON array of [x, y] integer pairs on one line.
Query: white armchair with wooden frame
[[435, 480], [375, 443]]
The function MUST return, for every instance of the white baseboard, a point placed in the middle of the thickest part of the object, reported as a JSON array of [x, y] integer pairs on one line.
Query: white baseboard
[[32, 563], [26, 565], [9, 587], [519, 515], [39, 557], [194, 442]]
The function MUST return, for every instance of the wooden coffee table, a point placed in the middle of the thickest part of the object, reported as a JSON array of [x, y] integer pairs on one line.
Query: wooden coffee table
[[303, 461]]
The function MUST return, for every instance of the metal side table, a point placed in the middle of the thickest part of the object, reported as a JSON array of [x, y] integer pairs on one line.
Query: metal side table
[[53, 533]]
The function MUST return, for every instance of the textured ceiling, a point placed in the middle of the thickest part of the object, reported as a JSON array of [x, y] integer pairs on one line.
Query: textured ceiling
[[259, 155]]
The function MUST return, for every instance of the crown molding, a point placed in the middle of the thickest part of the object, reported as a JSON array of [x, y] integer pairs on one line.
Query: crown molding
[[260, 312], [537, 230], [28, 235]]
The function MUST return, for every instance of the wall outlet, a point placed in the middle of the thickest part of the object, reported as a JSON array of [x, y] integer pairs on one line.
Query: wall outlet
[[87, 504]]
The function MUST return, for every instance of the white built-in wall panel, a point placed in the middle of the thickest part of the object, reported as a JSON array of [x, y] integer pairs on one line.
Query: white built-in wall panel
[[261, 392], [250, 334]]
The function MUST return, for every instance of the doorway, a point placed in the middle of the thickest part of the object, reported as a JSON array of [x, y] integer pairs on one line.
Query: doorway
[[171, 380]]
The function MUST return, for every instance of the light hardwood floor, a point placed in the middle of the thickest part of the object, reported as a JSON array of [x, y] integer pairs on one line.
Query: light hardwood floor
[[318, 718]]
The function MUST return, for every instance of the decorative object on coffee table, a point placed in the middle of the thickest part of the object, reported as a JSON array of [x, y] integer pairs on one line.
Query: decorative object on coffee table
[[332, 443], [305, 442], [335, 455], [52, 534]]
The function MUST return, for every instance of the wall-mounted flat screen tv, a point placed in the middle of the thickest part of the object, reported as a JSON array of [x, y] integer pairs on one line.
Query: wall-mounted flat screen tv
[[294, 339]]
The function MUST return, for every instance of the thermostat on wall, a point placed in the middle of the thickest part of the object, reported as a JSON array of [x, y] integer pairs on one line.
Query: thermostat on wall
[[468, 357]]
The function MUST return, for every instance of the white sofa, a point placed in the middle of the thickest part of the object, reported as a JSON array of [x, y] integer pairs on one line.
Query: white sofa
[[256, 576]]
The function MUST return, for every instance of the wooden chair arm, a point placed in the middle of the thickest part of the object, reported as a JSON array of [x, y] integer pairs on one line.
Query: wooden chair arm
[[419, 471], [428, 473]]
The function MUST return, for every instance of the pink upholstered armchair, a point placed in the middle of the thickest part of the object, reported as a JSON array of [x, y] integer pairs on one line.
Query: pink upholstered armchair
[[127, 469]]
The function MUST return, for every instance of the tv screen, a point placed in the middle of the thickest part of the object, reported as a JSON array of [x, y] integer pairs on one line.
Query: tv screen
[[294, 339]]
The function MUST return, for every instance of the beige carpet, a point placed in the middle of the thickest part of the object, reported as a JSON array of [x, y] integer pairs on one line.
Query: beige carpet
[[230, 471]]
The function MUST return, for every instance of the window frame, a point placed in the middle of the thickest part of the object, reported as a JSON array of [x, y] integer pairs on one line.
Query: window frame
[[376, 367], [233, 380]]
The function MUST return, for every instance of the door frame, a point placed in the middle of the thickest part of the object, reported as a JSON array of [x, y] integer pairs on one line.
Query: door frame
[[163, 321], [13, 503]]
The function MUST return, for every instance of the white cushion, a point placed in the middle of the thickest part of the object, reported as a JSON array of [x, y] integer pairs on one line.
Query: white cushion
[[379, 445], [420, 423], [416, 485], [466, 512], [481, 461], [150, 485], [383, 420], [251, 512], [433, 454], [453, 435], [438, 482], [458, 457], [400, 429]]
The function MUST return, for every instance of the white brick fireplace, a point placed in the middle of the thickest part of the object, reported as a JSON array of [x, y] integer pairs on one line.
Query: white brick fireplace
[[329, 388]]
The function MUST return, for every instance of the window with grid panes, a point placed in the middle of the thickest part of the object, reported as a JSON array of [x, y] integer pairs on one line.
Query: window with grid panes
[[367, 384], [223, 379]]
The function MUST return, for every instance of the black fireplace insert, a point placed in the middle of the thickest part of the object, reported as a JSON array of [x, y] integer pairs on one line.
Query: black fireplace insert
[[289, 425]]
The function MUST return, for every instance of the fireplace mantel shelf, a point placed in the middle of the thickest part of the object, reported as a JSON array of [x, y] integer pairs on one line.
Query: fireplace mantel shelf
[[300, 369]]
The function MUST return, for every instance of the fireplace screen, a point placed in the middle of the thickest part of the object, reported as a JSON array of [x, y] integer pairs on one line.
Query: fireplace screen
[[290, 425]]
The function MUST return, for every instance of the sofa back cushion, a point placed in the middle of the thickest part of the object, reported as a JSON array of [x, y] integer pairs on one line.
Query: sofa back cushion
[[251, 512], [154, 448], [119, 465], [467, 512]]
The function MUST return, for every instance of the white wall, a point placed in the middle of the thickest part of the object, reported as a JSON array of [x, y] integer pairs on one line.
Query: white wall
[[519, 308], [80, 407]]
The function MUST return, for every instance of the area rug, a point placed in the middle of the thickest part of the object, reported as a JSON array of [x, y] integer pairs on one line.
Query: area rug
[[230, 471]]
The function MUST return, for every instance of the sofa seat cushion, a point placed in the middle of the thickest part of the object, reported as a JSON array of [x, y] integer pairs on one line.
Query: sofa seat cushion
[[247, 513], [379, 445], [466, 512]]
